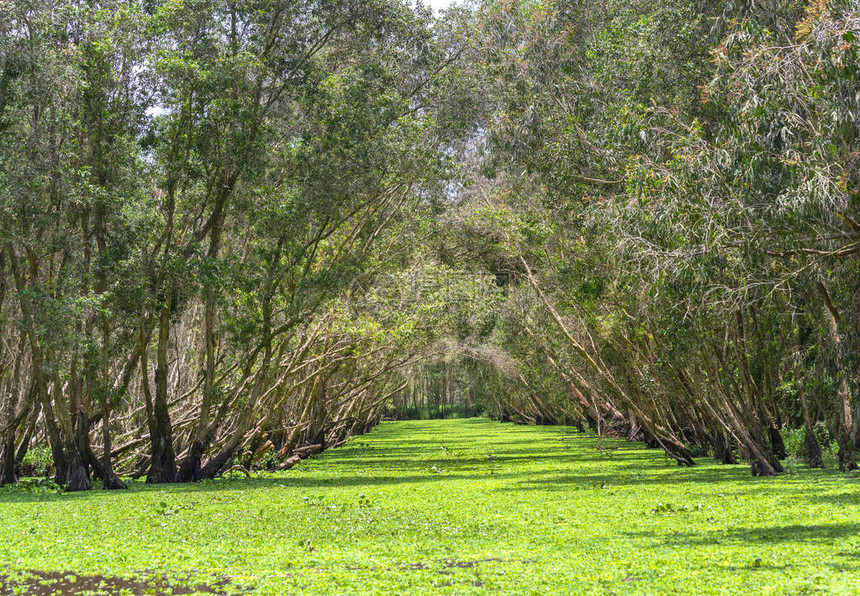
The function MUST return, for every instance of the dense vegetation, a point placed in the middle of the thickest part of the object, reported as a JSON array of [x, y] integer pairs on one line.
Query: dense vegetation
[[454, 506], [234, 233], [676, 185]]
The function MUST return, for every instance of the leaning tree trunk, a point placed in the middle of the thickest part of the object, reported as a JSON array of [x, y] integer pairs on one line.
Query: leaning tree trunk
[[29, 431], [190, 469], [723, 449], [725, 412], [667, 441]]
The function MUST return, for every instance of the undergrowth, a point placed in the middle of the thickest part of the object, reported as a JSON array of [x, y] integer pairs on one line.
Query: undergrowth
[[457, 506]]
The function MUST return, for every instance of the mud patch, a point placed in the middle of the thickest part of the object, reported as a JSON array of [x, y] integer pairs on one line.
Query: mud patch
[[416, 566], [458, 564], [43, 583], [447, 564]]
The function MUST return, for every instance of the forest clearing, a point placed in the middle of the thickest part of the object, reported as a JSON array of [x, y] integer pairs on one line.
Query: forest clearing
[[457, 506]]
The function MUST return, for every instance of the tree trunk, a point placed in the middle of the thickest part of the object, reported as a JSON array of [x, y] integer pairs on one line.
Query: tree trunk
[[844, 422], [777, 445], [813, 450], [7, 449], [53, 431], [857, 426], [80, 424], [162, 467], [110, 480], [723, 449], [77, 474], [76, 477], [8, 473], [29, 431]]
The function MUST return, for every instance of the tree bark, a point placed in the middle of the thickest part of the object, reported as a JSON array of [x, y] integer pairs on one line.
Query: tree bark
[[723, 449], [162, 467], [844, 426], [8, 474]]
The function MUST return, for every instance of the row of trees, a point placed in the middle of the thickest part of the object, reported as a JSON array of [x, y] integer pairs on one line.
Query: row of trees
[[195, 200], [235, 231], [672, 190]]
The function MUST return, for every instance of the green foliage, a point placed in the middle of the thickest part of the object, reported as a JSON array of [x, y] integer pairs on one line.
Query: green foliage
[[795, 444], [454, 411], [37, 461], [469, 505]]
